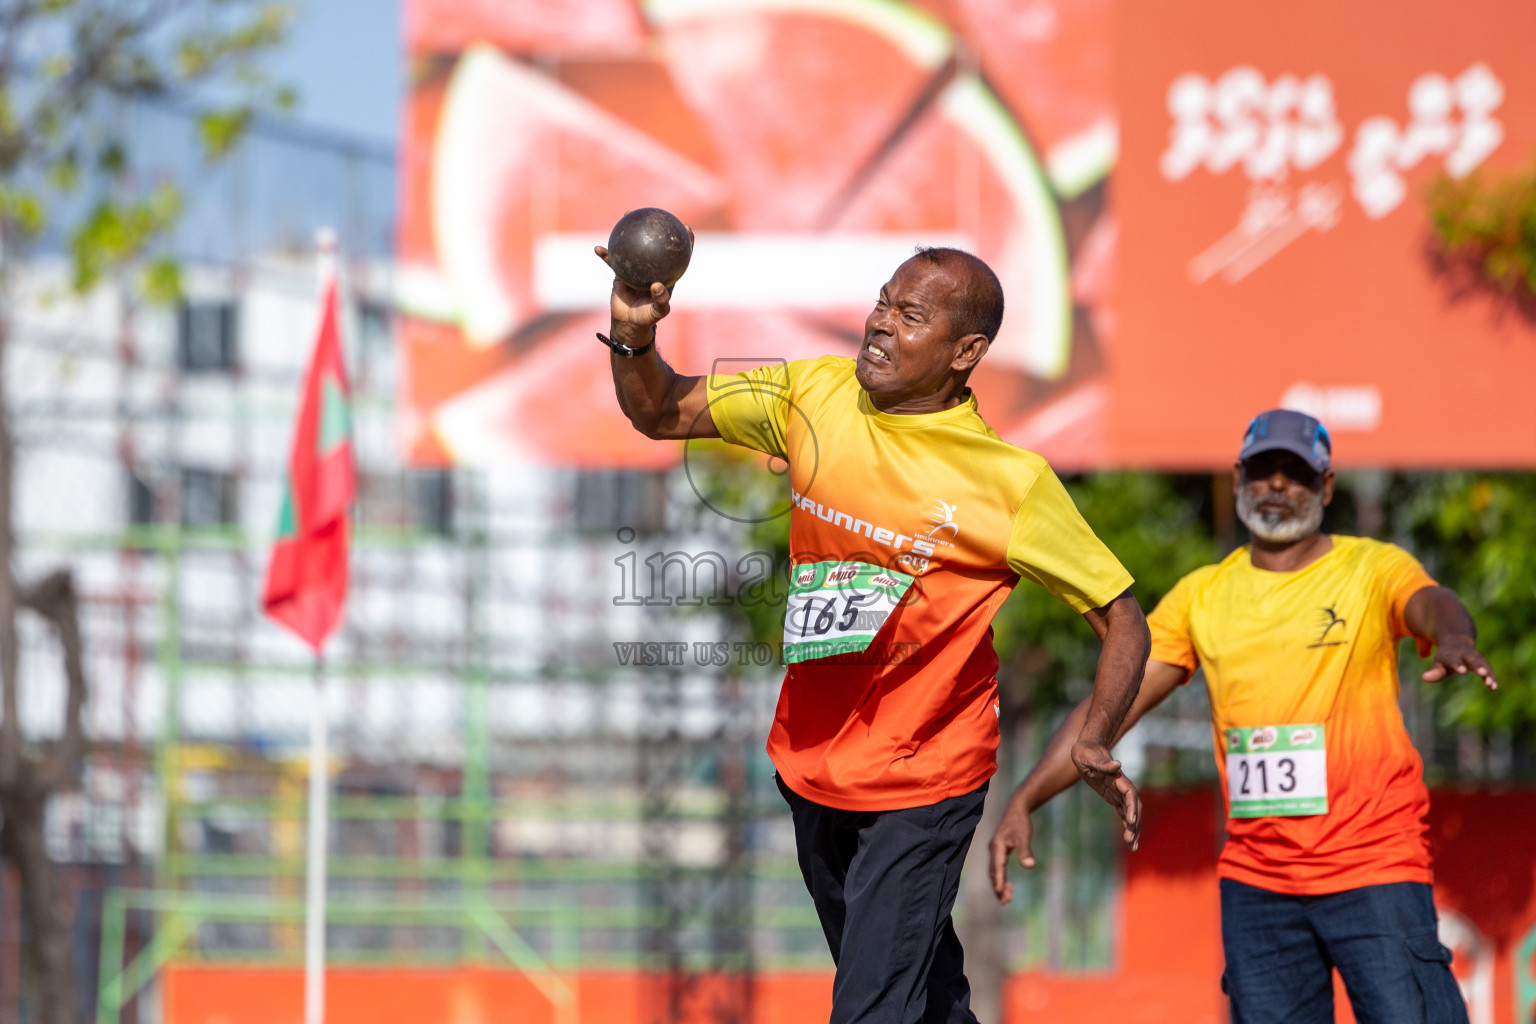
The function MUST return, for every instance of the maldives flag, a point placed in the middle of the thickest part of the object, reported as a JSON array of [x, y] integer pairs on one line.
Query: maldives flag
[[307, 578]]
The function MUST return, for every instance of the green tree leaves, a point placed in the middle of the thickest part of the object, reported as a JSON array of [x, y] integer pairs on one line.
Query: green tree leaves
[[1476, 532], [1485, 234], [61, 126], [1154, 525], [113, 232], [219, 130]]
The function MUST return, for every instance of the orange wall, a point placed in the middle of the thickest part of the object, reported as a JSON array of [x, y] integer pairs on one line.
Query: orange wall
[[199, 994], [1169, 960]]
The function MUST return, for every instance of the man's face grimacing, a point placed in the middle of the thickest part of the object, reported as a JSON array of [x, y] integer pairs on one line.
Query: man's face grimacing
[[910, 359], [1280, 498]]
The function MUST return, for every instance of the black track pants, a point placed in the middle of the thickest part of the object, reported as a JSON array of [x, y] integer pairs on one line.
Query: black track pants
[[884, 883]]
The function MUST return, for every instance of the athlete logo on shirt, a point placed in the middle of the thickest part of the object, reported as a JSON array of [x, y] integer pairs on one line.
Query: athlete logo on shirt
[[942, 531], [1328, 619], [942, 519]]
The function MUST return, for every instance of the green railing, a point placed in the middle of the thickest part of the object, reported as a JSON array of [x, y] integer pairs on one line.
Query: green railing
[[593, 910]]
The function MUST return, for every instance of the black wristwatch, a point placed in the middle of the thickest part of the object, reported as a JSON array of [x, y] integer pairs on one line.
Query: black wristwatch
[[625, 350]]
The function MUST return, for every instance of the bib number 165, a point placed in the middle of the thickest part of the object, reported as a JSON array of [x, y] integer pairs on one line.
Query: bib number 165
[[825, 615], [838, 607]]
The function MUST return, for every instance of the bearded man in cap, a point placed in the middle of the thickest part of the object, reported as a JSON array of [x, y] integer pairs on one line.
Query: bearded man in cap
[[1327, 861]]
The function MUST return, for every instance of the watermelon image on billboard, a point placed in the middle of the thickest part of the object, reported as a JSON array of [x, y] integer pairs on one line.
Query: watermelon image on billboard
[[810, 144]]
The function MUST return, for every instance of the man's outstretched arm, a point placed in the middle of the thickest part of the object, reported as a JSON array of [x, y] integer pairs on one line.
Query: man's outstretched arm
[[1126, 645], [1122, 660], [1080, 746], [660, 402], [1055, 772]]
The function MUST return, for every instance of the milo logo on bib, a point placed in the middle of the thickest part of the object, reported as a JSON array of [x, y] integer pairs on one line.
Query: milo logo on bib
[[838, 607], [1263, 739]]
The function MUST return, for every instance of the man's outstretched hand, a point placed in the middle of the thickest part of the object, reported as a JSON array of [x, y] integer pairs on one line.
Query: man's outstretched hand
[[1436, 614], [1013, 833], [1103, 773], [1457, 654]]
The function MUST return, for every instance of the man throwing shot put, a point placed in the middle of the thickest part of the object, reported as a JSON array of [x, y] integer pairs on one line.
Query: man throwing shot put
[[1326, 863], [911, 522]]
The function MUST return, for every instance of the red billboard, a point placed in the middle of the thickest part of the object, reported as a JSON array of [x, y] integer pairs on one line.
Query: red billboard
[[1197, 210], [1275, 239]]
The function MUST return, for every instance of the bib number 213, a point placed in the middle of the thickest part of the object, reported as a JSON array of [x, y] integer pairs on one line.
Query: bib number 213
[[1277, 770]]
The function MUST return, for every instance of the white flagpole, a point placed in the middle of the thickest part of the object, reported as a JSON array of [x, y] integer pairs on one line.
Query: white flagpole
[[319, 781], [319, 813]]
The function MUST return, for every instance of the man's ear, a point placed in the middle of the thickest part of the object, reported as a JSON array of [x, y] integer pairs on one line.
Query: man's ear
[[1328, 479], [968, 352]]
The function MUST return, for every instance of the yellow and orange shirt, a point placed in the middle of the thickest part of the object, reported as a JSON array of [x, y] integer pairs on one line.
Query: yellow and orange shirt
[[1318, 646], [937, 496]]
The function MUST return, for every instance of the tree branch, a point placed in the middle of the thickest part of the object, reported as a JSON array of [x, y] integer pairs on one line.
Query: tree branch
[[54, 598], [10, 728]]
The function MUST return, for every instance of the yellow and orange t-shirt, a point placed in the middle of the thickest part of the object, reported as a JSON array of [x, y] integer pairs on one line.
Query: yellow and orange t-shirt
[[939, 497], [1315, 646]]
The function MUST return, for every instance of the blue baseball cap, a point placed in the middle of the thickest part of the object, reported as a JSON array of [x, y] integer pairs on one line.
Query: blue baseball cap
[[1287, 430]]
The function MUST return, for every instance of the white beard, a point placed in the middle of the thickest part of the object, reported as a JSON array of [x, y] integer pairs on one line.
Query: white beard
[[1276, 528]]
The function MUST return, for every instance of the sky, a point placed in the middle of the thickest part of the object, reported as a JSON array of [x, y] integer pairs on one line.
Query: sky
[[346, 60]]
